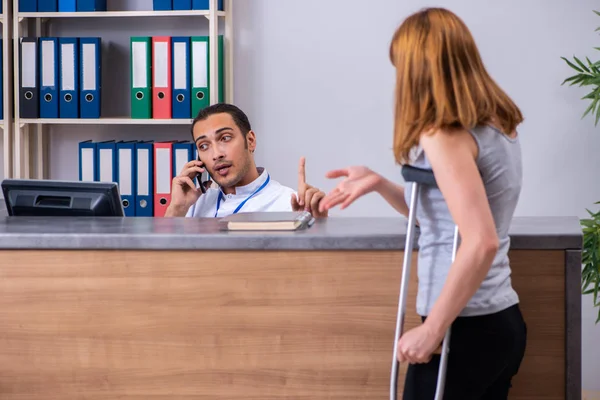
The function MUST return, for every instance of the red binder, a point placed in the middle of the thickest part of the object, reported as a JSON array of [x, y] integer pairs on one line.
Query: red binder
[[161, 77], [163, 176]]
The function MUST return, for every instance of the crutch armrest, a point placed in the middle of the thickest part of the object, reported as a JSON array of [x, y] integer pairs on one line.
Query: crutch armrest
[[418, 175]]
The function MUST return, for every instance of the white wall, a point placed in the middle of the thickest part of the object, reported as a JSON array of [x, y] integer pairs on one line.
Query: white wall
[[315, 79]]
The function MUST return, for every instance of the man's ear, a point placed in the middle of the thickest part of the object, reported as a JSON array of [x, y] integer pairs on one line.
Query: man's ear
[[251, 141]]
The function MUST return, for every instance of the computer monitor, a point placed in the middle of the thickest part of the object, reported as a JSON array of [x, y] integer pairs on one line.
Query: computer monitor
[[32, 197]]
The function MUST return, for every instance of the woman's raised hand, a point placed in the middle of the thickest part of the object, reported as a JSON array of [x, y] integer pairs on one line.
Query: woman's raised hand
[[358, 181]]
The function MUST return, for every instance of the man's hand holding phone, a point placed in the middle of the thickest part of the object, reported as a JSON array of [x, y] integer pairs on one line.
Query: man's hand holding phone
[[184, 192]]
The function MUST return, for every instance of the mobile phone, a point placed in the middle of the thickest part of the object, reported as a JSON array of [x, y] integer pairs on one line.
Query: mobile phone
[[201, 181]]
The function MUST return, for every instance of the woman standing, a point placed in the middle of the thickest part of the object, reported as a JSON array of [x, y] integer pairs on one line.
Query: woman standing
[[452, 118]]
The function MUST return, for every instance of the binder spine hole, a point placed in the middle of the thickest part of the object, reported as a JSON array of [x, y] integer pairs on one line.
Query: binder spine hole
[[143, 203], [180, 98], [139, 95], [161, 95], [125, 203], [199, 95], [48, 97], [29, 95], [68, 98], [163, 201], [89, 97]]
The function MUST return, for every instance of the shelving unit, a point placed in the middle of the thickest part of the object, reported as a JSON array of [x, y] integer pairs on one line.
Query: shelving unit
[[6, 123], [24, 153], [121, 14], [105, 121]]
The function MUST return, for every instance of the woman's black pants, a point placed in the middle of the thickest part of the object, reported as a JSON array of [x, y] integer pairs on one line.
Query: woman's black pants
[[485, 353]]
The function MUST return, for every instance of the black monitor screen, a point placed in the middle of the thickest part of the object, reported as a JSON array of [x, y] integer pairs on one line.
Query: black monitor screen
[[31, 197]]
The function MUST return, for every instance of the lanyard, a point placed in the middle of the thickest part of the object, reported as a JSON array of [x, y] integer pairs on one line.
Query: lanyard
[[243, 202]]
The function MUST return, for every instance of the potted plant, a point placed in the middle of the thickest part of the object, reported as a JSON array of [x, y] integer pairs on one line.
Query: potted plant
[[588, 74]]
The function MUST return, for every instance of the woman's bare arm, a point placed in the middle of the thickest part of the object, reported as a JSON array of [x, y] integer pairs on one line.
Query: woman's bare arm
[[452, 157]]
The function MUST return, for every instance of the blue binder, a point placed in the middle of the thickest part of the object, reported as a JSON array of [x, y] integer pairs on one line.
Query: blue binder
[[90, 62], [144, 183], [204, 4], [182, 4], [106, 161], [48, 64], [69, 77], [182, 154], [126, 174], [27, 5], [180, 77], [47, 6], [67, 5], [88, 170], [91, 5], [162, 5]]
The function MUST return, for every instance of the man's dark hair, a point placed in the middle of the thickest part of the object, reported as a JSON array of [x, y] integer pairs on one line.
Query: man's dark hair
[[238, 116]]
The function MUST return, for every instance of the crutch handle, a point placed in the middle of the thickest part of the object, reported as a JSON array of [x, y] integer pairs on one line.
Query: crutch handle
[[418, 175]]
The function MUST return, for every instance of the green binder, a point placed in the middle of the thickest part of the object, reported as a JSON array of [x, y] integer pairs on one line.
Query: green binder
[[200, 74], [141, 77]]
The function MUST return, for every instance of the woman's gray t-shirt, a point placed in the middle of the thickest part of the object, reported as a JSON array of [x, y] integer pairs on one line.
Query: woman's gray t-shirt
[[499, 163]]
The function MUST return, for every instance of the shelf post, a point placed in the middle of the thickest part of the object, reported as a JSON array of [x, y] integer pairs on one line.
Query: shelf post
[[41, 30], [7, 86], [228, 51], [18, 133], [213, 31]]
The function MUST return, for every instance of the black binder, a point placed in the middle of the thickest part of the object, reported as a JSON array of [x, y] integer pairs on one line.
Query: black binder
[[29, 91]]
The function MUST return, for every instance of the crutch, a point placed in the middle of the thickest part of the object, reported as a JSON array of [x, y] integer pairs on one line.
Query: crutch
[[416, 177]]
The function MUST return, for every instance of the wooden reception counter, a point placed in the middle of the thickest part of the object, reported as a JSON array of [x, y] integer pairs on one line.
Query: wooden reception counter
[[142, 308]]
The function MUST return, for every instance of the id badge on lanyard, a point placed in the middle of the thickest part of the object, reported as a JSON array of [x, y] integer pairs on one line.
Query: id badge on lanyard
[[243, 202]]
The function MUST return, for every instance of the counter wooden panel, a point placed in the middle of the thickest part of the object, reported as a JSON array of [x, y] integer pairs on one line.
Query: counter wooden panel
[[157, 325]]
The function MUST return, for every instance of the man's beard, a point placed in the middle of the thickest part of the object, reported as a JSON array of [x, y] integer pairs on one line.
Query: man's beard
[[231, 181]]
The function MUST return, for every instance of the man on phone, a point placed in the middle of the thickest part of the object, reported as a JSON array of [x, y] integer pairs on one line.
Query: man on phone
[[226, 143]]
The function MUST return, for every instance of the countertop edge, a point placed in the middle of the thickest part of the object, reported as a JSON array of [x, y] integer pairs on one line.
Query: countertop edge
[[339, 233], [229, 243]]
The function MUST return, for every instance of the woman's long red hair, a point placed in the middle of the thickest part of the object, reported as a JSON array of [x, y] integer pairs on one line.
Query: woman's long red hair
[[441, 82]]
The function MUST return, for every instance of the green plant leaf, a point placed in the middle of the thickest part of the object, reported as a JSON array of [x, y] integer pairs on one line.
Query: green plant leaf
[[582, 80], [587, 223], [588, 74], [593, 66], [581, 64], [590, 108], [570, 79], [590, 274], [590, 96], [572, 65]]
